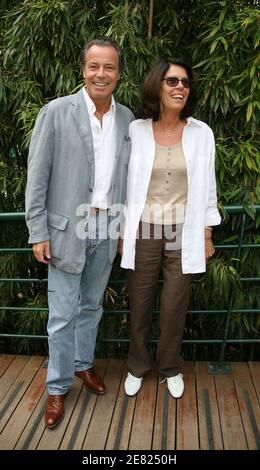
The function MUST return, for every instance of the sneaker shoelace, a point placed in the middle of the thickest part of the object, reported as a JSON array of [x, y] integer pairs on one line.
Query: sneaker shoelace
[[162, 381], [175, 379]]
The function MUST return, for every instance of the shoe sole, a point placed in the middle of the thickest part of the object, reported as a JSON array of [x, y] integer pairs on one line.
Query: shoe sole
[[134, 395], [130, 396], [95, 392], [176, 398]]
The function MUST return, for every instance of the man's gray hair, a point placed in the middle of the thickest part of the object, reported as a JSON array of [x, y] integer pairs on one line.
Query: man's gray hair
[[102, 41]]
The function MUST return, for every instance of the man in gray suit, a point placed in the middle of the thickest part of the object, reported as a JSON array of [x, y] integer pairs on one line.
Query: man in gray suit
[[77, 170]]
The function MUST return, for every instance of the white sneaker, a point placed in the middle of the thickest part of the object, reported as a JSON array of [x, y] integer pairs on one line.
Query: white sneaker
[[175, 385], [132, 384]]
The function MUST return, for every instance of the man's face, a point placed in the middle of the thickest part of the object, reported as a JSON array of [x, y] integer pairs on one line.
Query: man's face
[[101, 72]]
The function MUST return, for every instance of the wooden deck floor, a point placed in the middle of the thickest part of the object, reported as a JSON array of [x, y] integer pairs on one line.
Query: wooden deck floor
[[216, 412]]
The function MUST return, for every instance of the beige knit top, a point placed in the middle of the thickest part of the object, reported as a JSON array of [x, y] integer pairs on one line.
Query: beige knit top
[[167, 191]]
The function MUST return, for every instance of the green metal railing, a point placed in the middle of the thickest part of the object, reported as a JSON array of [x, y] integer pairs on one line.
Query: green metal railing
[[235, 209]]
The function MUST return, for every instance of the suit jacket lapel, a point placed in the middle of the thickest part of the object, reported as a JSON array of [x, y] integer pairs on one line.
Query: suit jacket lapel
[[81, 117], [120, 129], [120, 136]]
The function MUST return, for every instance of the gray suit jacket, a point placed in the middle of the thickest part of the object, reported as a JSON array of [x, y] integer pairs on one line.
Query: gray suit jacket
[[61, 174]]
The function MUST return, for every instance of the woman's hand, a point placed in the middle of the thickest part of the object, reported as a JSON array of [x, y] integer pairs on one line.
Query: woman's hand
[[120, 246], [209, 248]]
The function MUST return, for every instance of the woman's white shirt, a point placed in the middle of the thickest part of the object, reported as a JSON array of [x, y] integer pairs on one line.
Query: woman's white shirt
[[201, 209]]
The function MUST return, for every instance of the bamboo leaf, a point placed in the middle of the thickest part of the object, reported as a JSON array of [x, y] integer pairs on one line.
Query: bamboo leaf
[[213, 46], [249, 111]]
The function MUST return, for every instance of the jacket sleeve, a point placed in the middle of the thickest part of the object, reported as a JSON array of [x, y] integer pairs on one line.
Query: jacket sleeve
[[40, 159], [212, 213]]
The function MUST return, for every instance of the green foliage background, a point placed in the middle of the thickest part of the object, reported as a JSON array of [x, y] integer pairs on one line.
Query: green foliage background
[[40, 42]]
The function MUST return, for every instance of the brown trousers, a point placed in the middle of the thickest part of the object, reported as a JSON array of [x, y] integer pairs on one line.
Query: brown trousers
[[152, 256]]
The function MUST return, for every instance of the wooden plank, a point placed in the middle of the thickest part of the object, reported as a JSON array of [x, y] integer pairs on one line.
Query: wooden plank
[[5, 361], [11, 374], [209, 422], [115, 421], [142, 429], [187, 424], [100, 423], [120, 429], [255, 372], [165, 416], [15, 393], [22, 413], [231, 423], [82, 413], [248, 404], [34, 428]]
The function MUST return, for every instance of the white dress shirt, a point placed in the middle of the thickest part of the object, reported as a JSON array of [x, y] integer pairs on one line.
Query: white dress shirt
[[201, 210], [104, 142]]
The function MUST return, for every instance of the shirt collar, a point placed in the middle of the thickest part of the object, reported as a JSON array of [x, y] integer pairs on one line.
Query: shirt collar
[[190, 121], [91, 105], [193, 121]]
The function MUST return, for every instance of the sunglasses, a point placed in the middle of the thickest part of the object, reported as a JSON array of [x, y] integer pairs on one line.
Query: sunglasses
[[174, 81]]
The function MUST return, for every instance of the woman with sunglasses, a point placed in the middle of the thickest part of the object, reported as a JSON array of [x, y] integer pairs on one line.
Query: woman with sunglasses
[[170, 210]]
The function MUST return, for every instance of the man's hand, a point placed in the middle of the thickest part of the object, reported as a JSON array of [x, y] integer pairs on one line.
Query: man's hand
[[120, 246], [42, 252]]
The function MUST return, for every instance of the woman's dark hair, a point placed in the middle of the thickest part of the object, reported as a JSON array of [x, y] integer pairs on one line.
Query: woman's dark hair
[[102, 41], [150, 90]]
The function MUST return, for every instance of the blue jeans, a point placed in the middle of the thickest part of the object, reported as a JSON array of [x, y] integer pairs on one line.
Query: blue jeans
[[75, 309]]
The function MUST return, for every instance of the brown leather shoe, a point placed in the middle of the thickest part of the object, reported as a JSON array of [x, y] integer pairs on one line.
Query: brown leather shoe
[[92, 381], [54, 410]]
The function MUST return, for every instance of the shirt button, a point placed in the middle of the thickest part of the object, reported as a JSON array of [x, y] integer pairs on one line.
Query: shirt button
[[90, 190], [169, 172]]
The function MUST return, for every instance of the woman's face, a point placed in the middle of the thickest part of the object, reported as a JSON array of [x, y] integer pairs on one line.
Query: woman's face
[[174, 98]]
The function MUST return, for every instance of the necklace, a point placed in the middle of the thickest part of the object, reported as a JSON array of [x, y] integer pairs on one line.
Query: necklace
[[169, 132]]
